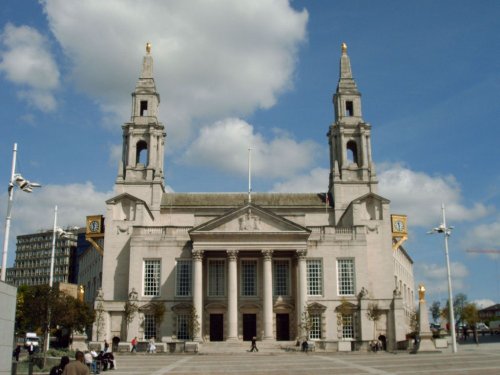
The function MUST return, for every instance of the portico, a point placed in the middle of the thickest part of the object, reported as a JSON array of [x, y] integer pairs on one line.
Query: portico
[[248, 265]]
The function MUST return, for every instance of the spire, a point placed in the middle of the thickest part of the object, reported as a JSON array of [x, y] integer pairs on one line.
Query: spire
[[147, 63], [346, 82]]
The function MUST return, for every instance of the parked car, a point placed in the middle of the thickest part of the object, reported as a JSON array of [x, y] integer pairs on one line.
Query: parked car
[[482, 328]]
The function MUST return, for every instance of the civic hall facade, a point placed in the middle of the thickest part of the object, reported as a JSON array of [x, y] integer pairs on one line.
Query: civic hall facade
[[278, 266]]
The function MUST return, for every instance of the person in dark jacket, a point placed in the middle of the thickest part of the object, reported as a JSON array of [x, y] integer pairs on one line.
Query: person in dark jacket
[[58, 369]]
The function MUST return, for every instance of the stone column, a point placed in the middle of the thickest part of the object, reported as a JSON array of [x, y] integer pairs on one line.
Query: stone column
[[198, 290], [232, 311], [267, 315], [301, 289]]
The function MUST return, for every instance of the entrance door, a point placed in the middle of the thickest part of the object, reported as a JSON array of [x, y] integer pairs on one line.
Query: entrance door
[[216, 327], [282, 327], [249, 326]]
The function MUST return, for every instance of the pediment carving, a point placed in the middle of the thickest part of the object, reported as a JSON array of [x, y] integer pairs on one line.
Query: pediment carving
[[249, 219]]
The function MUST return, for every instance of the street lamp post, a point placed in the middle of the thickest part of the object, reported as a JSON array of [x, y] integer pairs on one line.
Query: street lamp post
[[24, 185], [57, 232], [447, 232]]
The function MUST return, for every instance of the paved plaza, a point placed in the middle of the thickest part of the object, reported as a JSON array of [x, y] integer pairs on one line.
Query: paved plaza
[[470, 359]]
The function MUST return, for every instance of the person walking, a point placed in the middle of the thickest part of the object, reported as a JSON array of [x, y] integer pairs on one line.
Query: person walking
[[152, 346], [16, 352], [254, 345], [134, 345]]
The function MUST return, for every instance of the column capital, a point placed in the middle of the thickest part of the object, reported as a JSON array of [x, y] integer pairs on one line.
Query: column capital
[[267, 254], [301, 254], [232, 254], [197, 254]]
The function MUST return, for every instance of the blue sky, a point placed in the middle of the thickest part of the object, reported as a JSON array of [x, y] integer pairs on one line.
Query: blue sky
[[233, 74]]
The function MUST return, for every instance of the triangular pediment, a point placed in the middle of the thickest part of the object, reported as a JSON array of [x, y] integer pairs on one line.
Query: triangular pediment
[[126, 199], [249, 219]]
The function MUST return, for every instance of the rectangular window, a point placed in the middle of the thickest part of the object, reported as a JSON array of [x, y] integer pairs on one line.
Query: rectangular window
[[149, 326], [152, 277], [216, 278], [144, 108], [349, 108], [315, 332], [183, 327], [248, 278], [347, 327], [183, 278], [345, 272], [314, 277], [281, 275]]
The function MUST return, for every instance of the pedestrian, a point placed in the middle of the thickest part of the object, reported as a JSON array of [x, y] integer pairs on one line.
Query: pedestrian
[[58, 369], [16, 352], [106, 346], [254, 345], [305, 346], [134, 345], [466, 333], [383, 341], [77, 367], [152, 346]]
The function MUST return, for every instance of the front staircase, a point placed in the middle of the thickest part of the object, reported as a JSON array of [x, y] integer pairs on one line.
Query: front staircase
[[244, 346]]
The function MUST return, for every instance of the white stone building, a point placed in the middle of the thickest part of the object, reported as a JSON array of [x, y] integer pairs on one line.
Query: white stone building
[[252, 265]]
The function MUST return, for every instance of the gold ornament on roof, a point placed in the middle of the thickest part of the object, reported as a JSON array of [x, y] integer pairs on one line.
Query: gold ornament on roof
[[148, 47], [344, 47]]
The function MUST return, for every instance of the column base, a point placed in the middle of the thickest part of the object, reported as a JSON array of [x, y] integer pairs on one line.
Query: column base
[[232, 339], [269, 338]]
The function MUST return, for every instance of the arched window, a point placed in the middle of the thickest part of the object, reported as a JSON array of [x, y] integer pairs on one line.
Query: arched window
[[352, 152], [142, 153]]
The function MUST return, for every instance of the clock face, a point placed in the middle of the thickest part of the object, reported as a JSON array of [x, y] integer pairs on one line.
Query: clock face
[[399, 226], [94, 226]]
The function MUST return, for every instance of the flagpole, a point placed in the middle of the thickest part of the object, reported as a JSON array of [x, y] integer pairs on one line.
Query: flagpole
[[249, 175]]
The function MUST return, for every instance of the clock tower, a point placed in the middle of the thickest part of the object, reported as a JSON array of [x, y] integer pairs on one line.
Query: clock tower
[[141, 168], [352, 173]]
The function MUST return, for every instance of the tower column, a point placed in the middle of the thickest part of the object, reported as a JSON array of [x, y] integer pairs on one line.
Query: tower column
[[198, 290], [232, 295], [302, 289], [268, 294], [364, 152]]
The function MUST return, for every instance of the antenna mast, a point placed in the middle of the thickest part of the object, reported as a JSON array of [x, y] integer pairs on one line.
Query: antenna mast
[[249, 175]]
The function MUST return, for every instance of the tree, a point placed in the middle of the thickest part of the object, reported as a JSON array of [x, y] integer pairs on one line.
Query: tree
[[158, 310], [470, 314], [459, 301], [306, 322], [435, 311], [193, 323], [130, 309], [374, 313], [32, 312], [99, 319]]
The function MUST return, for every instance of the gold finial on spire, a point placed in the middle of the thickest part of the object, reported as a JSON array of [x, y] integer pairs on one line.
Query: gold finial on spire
[[148, 48], [344, 47]]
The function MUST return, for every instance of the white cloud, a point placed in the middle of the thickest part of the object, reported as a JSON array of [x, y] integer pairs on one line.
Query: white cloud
[[211, 58], [435, 277], [483, 303], [27, 62], [420, 195], [484, 236], [316, 181], [225, 145], [35, 211]]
